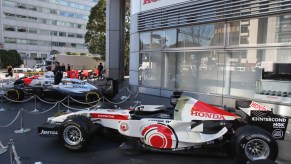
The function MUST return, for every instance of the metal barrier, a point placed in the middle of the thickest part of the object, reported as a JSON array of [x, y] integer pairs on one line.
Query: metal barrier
[[14, 159]]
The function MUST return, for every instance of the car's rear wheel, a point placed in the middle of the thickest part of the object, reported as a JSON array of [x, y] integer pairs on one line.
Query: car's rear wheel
[[252, 143], [75, 132], [92, 98], [15, 94]]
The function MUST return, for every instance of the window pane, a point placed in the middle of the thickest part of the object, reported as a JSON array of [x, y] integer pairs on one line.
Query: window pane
[[263, 74], [201, 35], [171, 38], [157, 39], [145, 41], [272, 30], [198, 71], [150, 69], [9, 28]]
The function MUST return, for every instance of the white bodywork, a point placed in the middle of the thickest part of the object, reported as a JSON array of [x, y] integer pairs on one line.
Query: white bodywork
[[155, 132]]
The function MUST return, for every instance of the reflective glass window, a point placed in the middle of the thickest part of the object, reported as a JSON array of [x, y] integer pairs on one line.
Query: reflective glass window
[[150, 69], [22, 29], [9, 28], [201, 35], [63, 34], [157, 39], [145, 41], [171, 38]]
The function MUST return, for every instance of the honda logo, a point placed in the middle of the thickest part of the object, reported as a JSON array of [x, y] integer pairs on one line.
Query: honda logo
[[148, 1]]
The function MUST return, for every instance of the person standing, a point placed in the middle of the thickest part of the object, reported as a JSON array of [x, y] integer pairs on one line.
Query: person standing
[[69, 67], [58, 73], [63, 68], [10, 70], [100, 70]]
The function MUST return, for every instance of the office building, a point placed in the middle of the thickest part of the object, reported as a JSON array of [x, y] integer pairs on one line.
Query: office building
[[36, 27]]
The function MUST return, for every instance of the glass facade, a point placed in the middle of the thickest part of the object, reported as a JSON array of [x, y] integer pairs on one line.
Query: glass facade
[[247, 58]]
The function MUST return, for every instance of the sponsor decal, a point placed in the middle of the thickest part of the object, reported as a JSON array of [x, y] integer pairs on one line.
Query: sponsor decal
[[123, 127], [268, 119], [109, 116], [148, 1], [279, 125], [159, 136], [45, 132], [258, 106], [207, 115], [278, 133]]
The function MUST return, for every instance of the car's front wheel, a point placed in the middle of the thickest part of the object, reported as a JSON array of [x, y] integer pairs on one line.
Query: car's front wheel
[[252, 143], [75, 132]]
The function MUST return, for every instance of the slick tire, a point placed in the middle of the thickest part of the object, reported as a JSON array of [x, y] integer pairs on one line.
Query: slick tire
[[251, 143], [92, 97], [76, 132], [15, 94]]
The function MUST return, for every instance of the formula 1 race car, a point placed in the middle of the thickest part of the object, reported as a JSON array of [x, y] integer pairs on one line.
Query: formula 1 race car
[[75, 88], [190, 126]]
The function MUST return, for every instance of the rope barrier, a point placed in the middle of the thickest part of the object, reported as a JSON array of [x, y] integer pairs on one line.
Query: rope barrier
[[42, 112], [47, 102], [14, 159], [2, 146], [18, 101], [75, 108], [118, 102], [86, 103], [12, 121], [123, 88], [13, 153]]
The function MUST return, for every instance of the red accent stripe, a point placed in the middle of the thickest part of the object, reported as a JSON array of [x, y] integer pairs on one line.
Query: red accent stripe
[[109, 116], [203, 107]]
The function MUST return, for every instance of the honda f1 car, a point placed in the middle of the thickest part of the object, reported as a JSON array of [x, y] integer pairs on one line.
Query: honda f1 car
[[44, 88], [190, 126]]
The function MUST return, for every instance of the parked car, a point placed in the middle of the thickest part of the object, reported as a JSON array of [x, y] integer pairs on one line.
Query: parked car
[[43, 87], [249, 133]]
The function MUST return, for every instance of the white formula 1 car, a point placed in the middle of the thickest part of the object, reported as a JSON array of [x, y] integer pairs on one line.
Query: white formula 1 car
[[189, 127]]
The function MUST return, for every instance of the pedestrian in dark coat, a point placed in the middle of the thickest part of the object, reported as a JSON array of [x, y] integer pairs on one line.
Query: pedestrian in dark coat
[[100, 70], [58, 73]]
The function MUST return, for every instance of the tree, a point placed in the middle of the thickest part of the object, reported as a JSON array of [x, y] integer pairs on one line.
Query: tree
[[95, 37], [11, 57], [127, 40]]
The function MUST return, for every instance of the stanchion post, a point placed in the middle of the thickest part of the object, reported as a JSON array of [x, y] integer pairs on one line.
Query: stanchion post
[[21, 130], [2, 94], [35, 110], [68, 110]]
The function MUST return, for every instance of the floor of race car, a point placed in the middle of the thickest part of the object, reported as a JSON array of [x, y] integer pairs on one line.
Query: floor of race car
[[31, 148]]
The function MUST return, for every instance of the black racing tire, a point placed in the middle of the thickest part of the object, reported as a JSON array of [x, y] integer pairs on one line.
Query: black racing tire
[[15, 94], [76, 132], [251, 143], [93, 96]]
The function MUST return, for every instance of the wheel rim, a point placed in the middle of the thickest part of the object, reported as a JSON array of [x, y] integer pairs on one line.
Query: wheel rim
[[12, 95], [72, 135], [257, 149]]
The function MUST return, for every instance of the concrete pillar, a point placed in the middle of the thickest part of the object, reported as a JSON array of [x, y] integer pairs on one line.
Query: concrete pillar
[[115, 14]]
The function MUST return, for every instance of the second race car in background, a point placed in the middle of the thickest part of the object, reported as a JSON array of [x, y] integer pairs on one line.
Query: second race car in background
[[75, 88]]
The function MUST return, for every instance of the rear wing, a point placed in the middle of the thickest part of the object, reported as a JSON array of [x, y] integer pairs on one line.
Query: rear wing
[[263, 117], [254, 106]]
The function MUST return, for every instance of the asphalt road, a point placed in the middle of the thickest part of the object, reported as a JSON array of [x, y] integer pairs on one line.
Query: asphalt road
[[31, 148]]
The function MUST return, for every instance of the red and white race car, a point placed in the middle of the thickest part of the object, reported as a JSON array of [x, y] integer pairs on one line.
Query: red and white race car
[[188, 127]]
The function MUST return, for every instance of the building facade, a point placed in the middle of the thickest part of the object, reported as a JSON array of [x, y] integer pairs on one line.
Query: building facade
[[36, 27], [220, 51]]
